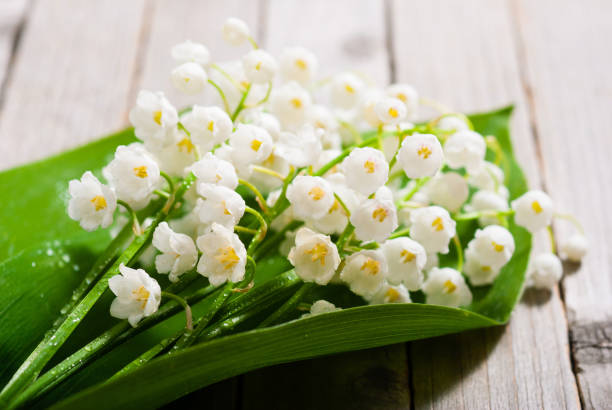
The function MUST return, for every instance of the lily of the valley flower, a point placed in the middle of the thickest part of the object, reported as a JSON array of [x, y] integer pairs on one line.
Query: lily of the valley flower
[[298, 64], [179, 253], [390, 110], [189, 78], [314, 256], [575, 247], [408, 95], [208, 126], [310, 197], [478, 272], [433, 228], [390, 294], [420, 155], [290, 103], [492, 246], [406, 259], [365, 169], [250, 144], [345, 90], [546, 271], [213, 170], [259, 66], [235, 31], [300, 149], [219, 204], [365, 272], [137, 295], [91, 202], [153, 118], [533, 210], [223, 256], [448, 190], [465, 149], [446, 287], [191, 52], [374, 219]]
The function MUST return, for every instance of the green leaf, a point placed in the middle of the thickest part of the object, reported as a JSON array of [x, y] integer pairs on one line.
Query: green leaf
[[36, 218]]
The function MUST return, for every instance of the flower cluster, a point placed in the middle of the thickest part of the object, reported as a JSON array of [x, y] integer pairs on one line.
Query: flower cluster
[[354, 191]]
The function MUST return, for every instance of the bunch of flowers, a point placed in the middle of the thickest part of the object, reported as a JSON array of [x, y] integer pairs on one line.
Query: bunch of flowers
[[331, 173]]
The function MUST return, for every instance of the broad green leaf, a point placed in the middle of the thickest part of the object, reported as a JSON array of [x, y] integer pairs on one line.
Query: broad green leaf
[[50, 285]]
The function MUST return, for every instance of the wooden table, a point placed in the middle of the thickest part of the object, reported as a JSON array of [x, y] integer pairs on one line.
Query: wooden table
[[70, 71]]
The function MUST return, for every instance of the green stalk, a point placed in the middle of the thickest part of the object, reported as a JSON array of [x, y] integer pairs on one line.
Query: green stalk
[[32, 366], [148, 355], [288, 307], [240, 106]]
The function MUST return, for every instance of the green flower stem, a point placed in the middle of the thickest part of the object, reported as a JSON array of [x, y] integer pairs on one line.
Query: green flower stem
[[243, 229], [344, 154], [135, 223], [342, 204], [161, 193], [572, 219], [185, 305], [551, 237], [344, 236], [222, 94], [240, 106], [106, 342], [190, 336], [282, 203], [459, 249], [262, 231], [476, 215], [168, 178], [32, 366], [419, 184], [264, 99], [397, 234], [288, 307], [276, 239], [260, 198]]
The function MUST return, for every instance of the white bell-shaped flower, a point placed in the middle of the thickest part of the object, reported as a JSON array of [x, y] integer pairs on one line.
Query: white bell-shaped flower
[[189, 78], [235, 31], [91, 202], [174, 158], [213, 170], [263, 181], [345, 90], [310, 197], [533, 210], [219, 204], [191, 52], [259, 66], [336, 218], [314, 256], [153, 118], [433, 228], [446, 287], [366, 170], [374, 219], [493, 246], [452, 123], [290, 103], [488, 177], [264, 120], [137, 295], [300, 149], [390, 294], [487, 201], [321, 306], [465, 149], [433, 260], [408, 95], [546, 271], [575, 247], [477, 271], [208, 126], [448, 190], [250, 144], [406, 259], [133, 174], [365, 272], [298, 64], [420, 155], [179, 253], [223, 256], [390, 110]]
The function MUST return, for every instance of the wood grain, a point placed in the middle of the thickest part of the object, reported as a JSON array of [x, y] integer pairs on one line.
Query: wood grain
[[71, 78], [567, 56], [12, 15], [344, 35], [468, 60]]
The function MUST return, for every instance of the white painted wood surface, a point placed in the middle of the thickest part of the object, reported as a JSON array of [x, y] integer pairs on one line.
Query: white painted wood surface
[[73, 79]]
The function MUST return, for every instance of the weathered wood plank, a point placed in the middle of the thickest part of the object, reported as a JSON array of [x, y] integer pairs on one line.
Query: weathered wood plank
[[12, 15], [345, 35], [567, 57], [71, 77], [463, 54]]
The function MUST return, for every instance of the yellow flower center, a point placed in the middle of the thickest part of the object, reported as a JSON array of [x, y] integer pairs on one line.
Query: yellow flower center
[[369, 167], [255, 144], [142, 295], [157, 117], [498, 247], [270, 160], [141, 171], [391, 295], [211, 126], [485, 268], [227, 257], [225, 210], [99, 202], [316, 193], [537, 208], [437, 224], [449, 286], [296, 102], [380, 214], [186, 144], [334, 207], [371, 266], [402, 97], [318, 253], [393, 112], [258, 66], [349, 89], [407, 256], [424, 151], [218, 177], [301, 64], [186, 79]]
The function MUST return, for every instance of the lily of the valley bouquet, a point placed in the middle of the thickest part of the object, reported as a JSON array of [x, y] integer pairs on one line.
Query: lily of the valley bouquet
[[298, 216]]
